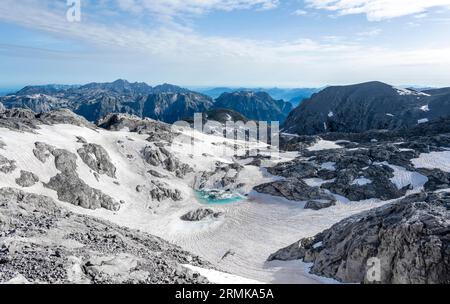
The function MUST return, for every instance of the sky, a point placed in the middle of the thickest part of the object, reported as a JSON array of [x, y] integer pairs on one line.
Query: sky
[[263, 43]]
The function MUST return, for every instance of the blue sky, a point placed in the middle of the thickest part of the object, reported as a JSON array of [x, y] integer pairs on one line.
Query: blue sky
[[286, 43]]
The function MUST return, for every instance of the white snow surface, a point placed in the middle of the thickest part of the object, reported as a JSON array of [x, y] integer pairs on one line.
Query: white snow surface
[[422, 121], [433, 160], [403, 178], [361, 181], [324, 145], [219, 277], [425, 108]]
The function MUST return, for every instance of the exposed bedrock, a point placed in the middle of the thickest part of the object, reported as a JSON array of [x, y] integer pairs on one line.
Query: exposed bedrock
[[6, 165], [157, 131], [96, 158], [200, 214], [27, 179], [68, 185], [294, 190], [225, 176], [410, 237], [73, 190], [44, 243], [161, 191], [161, 157]]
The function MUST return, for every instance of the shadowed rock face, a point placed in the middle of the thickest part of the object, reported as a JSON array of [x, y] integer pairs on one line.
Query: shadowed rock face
[[410, 237], [26, 120], [72, 189], [295, 190], [44, 243], [162, 157], [96, 158], [366, 106], [69, 186], [200, 214]]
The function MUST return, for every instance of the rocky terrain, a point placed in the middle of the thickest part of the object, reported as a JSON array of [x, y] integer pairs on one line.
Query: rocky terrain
[[69, 189], [41, 242], [367, 106], [410, 237]]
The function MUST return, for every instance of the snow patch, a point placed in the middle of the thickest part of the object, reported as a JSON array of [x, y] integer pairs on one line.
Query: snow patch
[[324, 145], [331, 166], [425, 108], [422, 121], [361, 181], [218, 277], [433, 160], [403, 178]]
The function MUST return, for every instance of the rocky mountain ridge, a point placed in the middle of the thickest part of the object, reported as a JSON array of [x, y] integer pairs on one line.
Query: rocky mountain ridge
[[367, 106]]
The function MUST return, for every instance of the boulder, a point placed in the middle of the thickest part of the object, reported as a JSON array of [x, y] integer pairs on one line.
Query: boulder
[[27, 179], [410, 238], [200, 214]]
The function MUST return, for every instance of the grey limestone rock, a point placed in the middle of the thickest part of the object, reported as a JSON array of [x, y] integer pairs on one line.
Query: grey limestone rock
[[27, 179], [410, 237]]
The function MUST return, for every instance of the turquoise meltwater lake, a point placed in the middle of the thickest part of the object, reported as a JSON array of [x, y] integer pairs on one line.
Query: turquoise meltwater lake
[[217, 197]]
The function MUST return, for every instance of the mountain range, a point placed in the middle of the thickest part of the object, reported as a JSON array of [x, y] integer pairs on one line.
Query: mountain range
[[293, 95], [367, 106], [166, 102]]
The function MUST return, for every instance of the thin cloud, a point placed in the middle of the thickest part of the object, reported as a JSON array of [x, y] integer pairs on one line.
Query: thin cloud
[[377, 10]]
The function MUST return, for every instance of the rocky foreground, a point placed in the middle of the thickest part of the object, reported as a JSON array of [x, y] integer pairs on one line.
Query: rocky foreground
[[41, 242], [410, 237]]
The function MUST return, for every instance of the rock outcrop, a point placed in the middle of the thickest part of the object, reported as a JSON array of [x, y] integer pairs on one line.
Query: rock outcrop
[[44, 243], [6, 165], [295, 190], [96, 158], [161, 191], [27, 179], [200, 214], [161, 157], [410, 238], [68, 185]]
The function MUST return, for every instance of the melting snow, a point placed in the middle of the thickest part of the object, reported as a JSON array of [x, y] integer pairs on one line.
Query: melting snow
[[218, 277], [433, 160], [361, 181], [403, 177], [324, 145], [331, 166], [425, 108]]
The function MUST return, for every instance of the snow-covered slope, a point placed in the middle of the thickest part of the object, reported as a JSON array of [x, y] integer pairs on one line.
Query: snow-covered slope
[[239, 239]]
